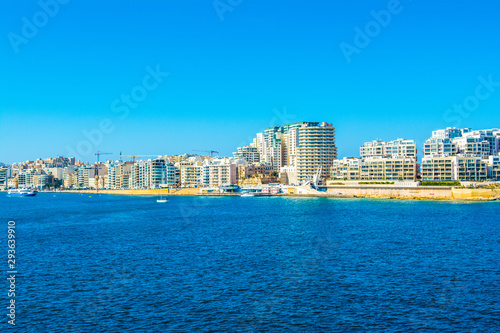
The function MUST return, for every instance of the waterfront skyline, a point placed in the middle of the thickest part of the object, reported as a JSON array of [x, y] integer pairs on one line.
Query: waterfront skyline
[[264, 64]]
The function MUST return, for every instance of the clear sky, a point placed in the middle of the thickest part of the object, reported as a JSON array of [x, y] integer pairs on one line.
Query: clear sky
[[235, 67]]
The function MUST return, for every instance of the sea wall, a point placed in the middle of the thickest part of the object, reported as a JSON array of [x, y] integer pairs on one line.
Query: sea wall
[[385, 191], [476, 194], [156, 192], [366, 191]]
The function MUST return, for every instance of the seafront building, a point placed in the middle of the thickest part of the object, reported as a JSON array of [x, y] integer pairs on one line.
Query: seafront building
[[463, 141], [291, 154], [399, 148], [375, 169], [25, 178], [450, 168], [461, 154], [296, 150], [219, 172], [191, 172], [316, 150]]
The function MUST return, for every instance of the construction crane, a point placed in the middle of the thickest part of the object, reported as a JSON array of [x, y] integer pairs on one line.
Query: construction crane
[[211, 152], [96, 167], [136, 156], [99, 154]]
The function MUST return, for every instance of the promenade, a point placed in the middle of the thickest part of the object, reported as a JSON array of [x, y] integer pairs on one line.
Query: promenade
[[375, 192]]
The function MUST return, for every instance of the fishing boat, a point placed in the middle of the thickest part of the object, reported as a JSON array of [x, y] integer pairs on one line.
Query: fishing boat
[[21, 192], [244, 195]]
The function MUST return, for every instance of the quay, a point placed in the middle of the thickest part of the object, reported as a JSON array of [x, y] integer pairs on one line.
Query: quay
[[332, 191]]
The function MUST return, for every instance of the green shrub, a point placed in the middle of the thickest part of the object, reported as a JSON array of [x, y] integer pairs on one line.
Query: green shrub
[[440, 183]]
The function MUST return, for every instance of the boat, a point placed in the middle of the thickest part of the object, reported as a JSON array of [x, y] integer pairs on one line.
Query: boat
[[247, 195], [21, 192], [161, 199]]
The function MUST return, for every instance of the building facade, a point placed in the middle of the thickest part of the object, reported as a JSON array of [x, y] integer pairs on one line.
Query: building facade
[[451, 168], [391, 149], [375, 169], [316, 150]]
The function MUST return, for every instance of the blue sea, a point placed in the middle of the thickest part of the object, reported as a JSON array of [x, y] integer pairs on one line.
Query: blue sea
[[103, 263]]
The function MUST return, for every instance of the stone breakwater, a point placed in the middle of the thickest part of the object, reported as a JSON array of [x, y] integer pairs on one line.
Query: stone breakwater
[[416, 193]]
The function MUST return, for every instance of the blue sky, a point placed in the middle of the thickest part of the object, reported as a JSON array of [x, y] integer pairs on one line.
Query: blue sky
[[264, 63]]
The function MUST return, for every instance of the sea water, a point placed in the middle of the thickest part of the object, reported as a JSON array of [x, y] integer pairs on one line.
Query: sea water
[[103, 263]]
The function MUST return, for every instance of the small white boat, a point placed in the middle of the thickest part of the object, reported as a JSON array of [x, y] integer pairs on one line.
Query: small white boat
[[21, 192], [247, 195], [161, 199]]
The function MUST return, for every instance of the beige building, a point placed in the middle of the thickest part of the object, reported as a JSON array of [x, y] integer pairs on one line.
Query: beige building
[[219, 172], [437, 168], [70, 177], [118, 175], [40, 179], [450, 168], [375, 169], [190, 172], [257, 173]]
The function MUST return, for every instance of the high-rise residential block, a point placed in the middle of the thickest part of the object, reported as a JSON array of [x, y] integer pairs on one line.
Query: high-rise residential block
[[316, 150]]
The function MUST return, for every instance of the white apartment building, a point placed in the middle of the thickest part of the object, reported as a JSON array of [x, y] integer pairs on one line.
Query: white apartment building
[[316, 150], [392, 149], [471, 145], [172, 175], [118, 176], [86, 176], [248, 153], [219, 172], [191, 172], [463, 141], [57, 172], [152, 174], [491, 136], [25, 178]]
